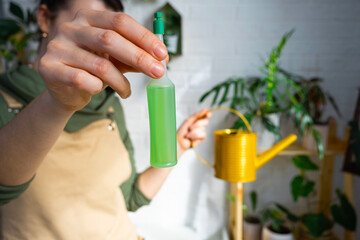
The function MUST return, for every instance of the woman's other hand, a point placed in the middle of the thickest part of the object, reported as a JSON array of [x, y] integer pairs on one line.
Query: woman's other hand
[[94, 50], [193, 131]]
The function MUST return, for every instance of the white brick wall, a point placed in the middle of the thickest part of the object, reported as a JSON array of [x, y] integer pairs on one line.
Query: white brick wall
[[226, 38]]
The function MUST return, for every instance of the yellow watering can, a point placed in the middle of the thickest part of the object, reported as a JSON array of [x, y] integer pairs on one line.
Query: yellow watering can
[[236, 157]]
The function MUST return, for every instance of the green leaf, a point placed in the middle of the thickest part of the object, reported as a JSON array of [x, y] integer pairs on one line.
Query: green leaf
[[239, 124], [274, 216], [317, 224], [306, 122], [301, 187], [226, 91], [344, 213], [234, 100], [319, 143], [8, 27], [253, 198], [271, 127], [245, 209], [205, 95], [231, 197], [217, 91], [31, 17], [16, 10], [24, 41], [292, 217], [303, 162]]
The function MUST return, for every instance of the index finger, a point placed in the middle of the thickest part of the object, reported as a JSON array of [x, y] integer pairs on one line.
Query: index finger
[[130, 29], [199, 115]]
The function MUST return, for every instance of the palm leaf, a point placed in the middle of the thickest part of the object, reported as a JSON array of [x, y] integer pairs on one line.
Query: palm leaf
[[226, 86], [271, 127]]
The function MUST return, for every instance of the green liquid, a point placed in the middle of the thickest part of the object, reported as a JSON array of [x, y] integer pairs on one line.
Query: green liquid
[[162, 117]]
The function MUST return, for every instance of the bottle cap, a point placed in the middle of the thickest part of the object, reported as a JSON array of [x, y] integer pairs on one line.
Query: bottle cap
[[158, 23]]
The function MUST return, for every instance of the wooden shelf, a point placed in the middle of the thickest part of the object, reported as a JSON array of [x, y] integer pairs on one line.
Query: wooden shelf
[[335, 146]]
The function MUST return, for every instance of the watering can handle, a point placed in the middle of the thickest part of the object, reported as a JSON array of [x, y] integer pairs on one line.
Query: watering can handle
[[239, 114]]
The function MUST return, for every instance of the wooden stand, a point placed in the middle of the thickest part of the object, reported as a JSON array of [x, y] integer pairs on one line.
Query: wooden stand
[[236, 214], [335, 146]]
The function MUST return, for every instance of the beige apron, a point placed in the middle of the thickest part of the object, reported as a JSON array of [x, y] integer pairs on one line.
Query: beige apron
[[75, 194]]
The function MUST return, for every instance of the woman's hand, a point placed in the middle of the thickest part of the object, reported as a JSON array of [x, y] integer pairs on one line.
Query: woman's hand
[[93, 51], [192, 131]]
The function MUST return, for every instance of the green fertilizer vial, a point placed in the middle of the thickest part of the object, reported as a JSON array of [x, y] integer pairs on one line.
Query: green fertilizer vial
[[162, 114]]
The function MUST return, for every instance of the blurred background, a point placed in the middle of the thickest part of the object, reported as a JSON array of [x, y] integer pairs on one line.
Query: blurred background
[[232, 39]]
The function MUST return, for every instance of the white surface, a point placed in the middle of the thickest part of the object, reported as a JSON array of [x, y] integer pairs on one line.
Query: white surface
[[151, 230], [226, 38]]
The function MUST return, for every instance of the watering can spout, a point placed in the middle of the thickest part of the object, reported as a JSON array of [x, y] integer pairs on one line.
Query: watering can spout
[[272, 152]]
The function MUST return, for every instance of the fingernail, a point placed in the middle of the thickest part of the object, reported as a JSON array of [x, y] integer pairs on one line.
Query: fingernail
[[160, 52], [157, 69]]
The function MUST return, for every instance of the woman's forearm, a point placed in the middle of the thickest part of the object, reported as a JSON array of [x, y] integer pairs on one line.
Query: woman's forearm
[[151, 180], [28, 137]]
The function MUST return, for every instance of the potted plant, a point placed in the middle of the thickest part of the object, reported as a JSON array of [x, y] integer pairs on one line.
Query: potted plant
[[252, 221], [275, 227], [15, 34], [263, 99], [316, 225], [314, 99]]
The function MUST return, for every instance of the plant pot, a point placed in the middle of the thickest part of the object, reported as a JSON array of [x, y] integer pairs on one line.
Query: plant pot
[[265, 138], [303, 234], [252, 228], [268, 234], [308, 140]]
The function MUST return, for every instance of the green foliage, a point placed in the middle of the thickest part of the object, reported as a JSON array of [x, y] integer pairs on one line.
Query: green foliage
[[313, 97], [238, 93], [8, 27], [303, 162], [271, 70], [292, 217], [277, 91], [301, 187], [303, 119], [270, 126], [304, 122], [239, 124], [344, 213], [253, 199], [231, 197], [319, 143], [16, 33], [275, 217], [316, 224], [16, 10], [258, 95]]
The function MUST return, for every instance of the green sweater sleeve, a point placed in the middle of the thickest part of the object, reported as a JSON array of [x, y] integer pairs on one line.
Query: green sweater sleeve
[[134, 198], [9, 193]]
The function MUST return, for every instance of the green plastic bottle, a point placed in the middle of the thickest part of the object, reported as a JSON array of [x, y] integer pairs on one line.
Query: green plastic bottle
[[162, 114]]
